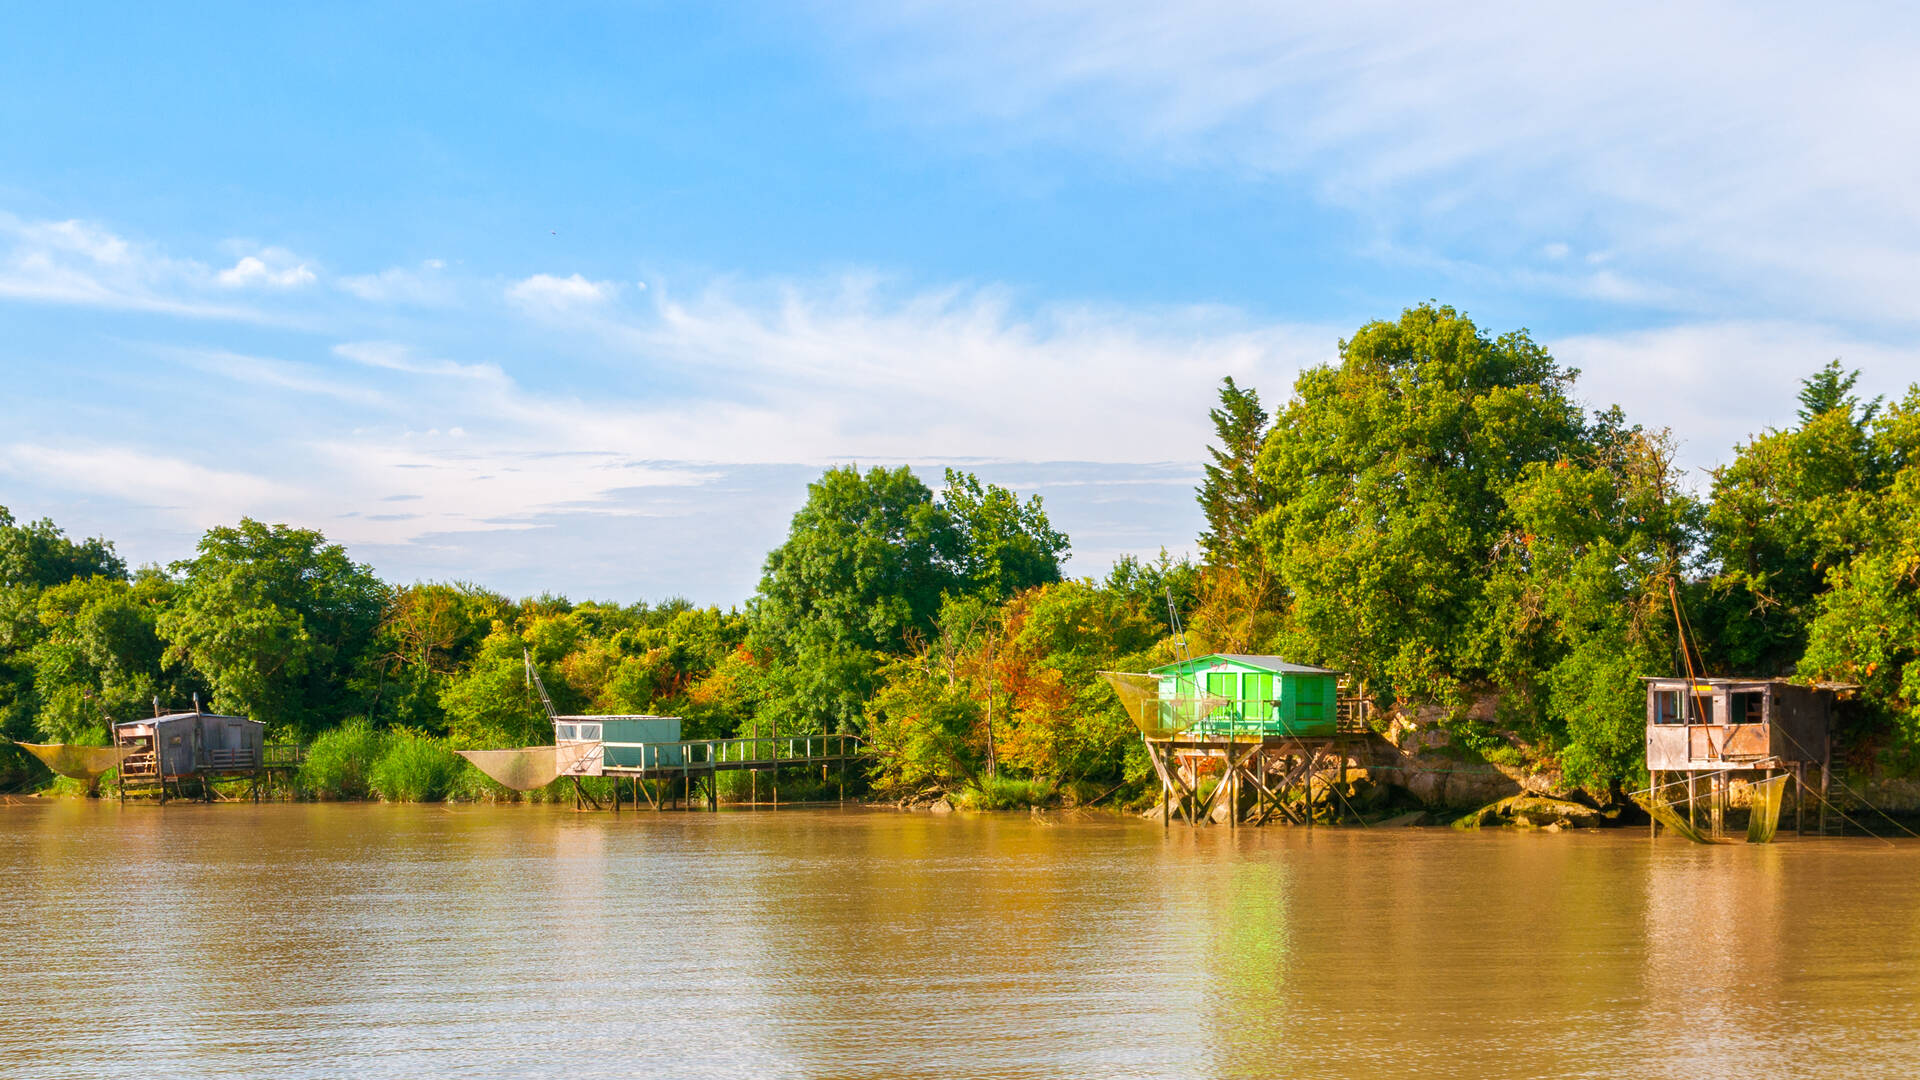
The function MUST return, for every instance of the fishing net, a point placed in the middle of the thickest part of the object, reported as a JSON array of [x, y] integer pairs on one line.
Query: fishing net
[[1156, 716], [1664, 813], [87, 763], [529, 767], [1764, 818]]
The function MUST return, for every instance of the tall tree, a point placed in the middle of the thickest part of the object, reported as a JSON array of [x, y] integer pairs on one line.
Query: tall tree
[[1390, 473], [1233, 495], [1004, 546], [38, 555], [861, 573], [1791, 507], [279, 622]]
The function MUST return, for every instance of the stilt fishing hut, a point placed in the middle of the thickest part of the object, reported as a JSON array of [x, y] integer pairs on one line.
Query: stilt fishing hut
[[1252, 724], [648, 752], [1703, 734], [203, 746]]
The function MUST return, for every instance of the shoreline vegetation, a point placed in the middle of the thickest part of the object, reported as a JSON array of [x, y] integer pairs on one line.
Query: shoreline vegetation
[[1435, 513]]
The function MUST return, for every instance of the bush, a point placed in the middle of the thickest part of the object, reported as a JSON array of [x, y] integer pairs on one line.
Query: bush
[[1006, 793], [415, 768], [340, 762]]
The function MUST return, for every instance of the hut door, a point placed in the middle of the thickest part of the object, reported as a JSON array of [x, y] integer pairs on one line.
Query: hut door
[[1256, 696], [1221, 684]]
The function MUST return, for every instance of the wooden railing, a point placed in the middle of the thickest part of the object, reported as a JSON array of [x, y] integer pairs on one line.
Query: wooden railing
[[738, 753]]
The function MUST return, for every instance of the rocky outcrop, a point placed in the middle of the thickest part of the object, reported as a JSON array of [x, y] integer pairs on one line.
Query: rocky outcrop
[[1535, 812]]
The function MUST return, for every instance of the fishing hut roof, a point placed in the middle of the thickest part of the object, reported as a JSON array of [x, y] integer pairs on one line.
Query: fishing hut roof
[[1277, 665], [575, 718], [1750, 680], [180, 716]]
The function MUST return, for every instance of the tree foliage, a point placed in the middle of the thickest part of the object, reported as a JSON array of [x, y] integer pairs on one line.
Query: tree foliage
[[277, 621]]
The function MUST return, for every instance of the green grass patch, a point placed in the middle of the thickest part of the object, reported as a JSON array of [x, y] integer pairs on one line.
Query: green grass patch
[[1006, 793], [415, 768]]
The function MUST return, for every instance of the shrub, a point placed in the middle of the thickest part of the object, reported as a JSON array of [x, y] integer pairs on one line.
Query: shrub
[[415, 768], [1005, 793], [340, 762]]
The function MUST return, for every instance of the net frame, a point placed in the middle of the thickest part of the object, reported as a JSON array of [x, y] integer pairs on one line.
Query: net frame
[[528, 768], [87, 763], [1158, 716], [1763, 819]]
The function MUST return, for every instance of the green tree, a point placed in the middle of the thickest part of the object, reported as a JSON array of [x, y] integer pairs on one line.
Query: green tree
[[99, 660], [38, 555], [1579, 593], [1232, 495], [1390, 473], [861, 575], [1003, 547], [279, 622], [1865, 628], [1789, 509]]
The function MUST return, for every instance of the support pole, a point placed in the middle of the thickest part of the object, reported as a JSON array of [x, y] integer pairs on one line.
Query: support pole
[[1799, 798], [1653, 793]]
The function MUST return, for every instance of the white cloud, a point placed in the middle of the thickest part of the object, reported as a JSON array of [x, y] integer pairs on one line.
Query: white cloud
[[1753, 154], [85, 264], [1717, 384], [178, 488], [424, 286], [546, 293], [273, 268], [275, 374]]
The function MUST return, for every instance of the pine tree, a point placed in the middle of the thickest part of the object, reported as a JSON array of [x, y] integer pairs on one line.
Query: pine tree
[[1831, 388], [1232, 495]]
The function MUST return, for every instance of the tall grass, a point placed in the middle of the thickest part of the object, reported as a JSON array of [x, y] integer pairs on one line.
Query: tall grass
[[415, 768], [340, 762], [1006, 793]]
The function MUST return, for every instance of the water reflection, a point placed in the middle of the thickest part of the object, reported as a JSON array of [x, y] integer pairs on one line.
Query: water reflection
[[392, 941]]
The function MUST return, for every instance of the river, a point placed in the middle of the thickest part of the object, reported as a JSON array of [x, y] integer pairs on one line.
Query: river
[[386, 941]]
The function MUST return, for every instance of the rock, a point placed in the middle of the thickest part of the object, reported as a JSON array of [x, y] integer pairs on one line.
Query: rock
[[1534, 812], [940, 806]]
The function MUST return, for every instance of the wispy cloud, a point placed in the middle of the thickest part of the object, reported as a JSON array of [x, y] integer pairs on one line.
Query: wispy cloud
[[1749, 154], [423, 286], [271, 268], [170, 485], [82, 263], [545, 293]]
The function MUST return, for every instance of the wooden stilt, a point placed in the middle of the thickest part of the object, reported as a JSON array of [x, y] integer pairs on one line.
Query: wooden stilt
[[1653, 792]]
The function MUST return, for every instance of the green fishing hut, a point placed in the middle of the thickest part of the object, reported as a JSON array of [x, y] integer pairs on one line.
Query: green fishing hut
[[1243, 695], [621, 743]]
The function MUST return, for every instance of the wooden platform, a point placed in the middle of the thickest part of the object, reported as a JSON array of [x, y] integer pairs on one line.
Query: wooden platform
[[1283, 772]]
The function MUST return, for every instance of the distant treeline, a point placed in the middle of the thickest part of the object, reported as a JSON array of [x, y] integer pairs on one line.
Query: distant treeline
[[1435, 514]]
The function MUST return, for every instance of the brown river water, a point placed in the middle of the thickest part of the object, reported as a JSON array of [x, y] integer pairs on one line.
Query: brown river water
[[382, 941]]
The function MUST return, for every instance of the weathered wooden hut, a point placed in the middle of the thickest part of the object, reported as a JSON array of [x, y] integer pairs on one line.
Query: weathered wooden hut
[[1253, 695], [1719, 729], [177, 746]]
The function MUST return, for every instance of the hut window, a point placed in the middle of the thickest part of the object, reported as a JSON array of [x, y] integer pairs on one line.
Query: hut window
[[1703, 708], [590, 732], [1666, 706], [563, 732], [1749, 707]]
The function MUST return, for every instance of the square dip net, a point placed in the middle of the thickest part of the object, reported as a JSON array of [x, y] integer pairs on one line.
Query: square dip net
[[87, 763], [1159, 716], [529, 767]]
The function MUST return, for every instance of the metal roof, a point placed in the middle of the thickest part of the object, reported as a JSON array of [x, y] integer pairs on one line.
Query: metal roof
[[1763, 680], [611, 716], [1274, 664], [182, 715]]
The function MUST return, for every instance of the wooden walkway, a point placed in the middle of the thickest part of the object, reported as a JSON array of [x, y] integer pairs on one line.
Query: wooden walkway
[[695, 764]]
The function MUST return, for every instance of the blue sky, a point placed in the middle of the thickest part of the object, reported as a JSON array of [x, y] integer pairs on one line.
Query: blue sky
[[578, 297]]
